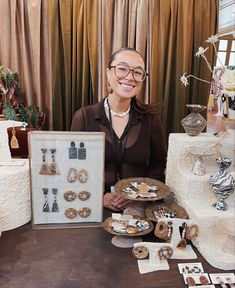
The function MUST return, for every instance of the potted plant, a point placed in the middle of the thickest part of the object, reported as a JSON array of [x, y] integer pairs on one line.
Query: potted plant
[[11, 104]]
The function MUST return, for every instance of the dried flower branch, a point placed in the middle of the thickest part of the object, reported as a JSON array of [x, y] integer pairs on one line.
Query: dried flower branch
[[201, 53]]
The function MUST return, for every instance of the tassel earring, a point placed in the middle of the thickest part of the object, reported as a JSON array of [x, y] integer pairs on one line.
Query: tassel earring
[[14, 141]]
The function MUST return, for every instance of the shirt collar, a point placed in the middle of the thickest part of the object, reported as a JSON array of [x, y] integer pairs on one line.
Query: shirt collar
[[100, 115]]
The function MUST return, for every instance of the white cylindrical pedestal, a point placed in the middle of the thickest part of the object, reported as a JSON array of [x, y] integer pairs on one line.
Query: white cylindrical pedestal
[[15, 207]]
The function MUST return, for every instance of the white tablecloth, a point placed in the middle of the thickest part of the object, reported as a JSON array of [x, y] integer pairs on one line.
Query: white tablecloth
[[217, 228], [15, 206]]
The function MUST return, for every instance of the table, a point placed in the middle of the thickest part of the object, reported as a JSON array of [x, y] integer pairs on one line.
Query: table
[[80, 257]]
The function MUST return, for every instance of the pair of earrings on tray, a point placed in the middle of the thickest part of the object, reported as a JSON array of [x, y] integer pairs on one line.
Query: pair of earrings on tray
[[142, 252], [73, 175], [164, 230], [46, 169]]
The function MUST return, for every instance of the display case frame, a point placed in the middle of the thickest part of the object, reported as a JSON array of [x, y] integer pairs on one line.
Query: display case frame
[[67, 178]]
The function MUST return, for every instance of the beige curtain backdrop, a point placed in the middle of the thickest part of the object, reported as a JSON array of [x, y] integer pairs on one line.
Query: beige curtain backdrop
[[179, 28], [61, 49], [74, 33], [24, 47]]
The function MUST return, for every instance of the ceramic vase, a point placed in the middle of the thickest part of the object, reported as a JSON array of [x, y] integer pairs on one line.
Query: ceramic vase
[[194, 123]]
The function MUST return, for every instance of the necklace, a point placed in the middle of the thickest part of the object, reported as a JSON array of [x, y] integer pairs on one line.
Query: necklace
[[113, 113]]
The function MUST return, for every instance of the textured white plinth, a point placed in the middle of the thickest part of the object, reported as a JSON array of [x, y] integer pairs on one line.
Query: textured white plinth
[[15, 207], [217, 237]]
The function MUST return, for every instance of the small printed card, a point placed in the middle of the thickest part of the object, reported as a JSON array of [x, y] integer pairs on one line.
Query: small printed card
[[190, 268], [222, 278], [199, 278]]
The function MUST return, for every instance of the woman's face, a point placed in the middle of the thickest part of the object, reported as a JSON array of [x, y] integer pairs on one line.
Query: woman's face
[[125, 86]]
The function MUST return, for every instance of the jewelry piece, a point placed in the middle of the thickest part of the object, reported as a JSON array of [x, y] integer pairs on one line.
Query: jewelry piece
[[194, 270], [53, 166], [203, 280], [73, 151], [230, 283], [161, 230], [14, 141], [182, 244], [84, 195], [140, 252], [82, 151], [45, 207], [44, 170], [82, 176], [72, 175], [71, 213], [165, 252], [69, 196], [192, 232], [190, 281], [170, 229], [131, 230], [84, 212], [55, 207], [121, 115], [221, 282]]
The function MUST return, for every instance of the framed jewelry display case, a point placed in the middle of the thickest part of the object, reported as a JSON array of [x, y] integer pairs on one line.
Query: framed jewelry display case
[[67, 178]]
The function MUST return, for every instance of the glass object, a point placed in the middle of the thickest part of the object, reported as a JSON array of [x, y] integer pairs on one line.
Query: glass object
[[121, 71], [194, 123]]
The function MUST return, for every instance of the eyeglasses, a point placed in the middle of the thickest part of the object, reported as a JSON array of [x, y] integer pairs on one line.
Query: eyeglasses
[[121, 71]]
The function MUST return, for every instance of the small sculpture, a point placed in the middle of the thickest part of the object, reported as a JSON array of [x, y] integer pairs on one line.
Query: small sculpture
[[222, 183]]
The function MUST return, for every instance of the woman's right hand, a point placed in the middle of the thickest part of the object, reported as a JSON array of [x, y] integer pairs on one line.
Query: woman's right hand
[[115, 202]]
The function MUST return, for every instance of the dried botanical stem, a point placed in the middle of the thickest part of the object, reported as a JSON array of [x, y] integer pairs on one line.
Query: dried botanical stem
[[207, 63], [217, 54]]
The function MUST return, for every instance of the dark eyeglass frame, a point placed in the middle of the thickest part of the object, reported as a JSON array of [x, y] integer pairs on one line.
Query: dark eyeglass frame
[[129, 70]]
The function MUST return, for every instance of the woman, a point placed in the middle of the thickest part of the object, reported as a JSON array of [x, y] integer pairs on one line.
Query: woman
[[134, 141]]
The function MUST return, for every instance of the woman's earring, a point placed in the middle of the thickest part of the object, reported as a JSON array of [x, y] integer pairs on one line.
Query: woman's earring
[[55, 207], [44, 170], [45, 207], [110, 90], [53, 166]]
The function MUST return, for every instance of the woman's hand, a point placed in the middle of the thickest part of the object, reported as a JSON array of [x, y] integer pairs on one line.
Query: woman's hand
[[115, 202]]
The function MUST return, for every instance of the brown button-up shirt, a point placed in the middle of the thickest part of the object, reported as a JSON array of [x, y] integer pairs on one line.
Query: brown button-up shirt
[[144, 152]]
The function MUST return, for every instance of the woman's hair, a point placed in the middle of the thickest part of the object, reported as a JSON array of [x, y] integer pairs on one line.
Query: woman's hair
[[113, 56], [137, 104], [141, 107]]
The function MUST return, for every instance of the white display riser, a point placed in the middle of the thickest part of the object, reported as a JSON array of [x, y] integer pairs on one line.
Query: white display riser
[[217, 228]]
